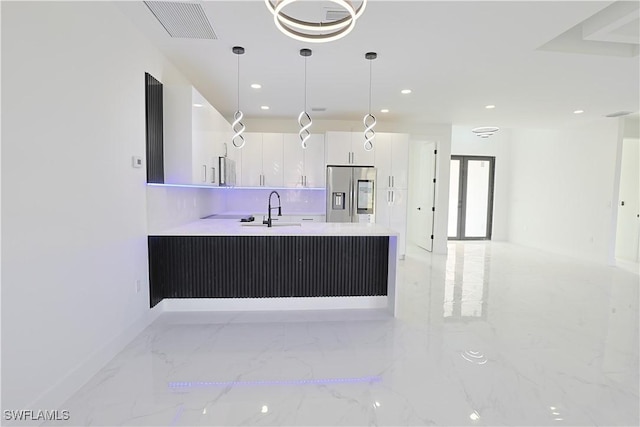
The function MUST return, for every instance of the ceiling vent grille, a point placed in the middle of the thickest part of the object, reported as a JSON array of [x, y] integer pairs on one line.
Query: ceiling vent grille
[[336, 14], [182, 20], [619, 114]]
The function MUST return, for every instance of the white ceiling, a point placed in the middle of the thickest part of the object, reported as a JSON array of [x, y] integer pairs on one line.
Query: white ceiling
[[456, 57]]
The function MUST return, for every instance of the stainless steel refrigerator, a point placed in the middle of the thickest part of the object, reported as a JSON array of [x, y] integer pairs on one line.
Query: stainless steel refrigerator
[[351, 193]]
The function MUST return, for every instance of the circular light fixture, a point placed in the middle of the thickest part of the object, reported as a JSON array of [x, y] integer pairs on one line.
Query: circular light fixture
[[384, 110], [256, 86], [489, 107], [315, 32], [485, 131], [578, 112], [405, 91], [264, 107]]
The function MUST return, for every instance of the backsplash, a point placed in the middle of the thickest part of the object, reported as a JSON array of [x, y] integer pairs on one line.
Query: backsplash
[[169, 207], [294, 201]]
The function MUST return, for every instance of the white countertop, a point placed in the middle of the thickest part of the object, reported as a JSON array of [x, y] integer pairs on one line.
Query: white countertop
[[233, 227]]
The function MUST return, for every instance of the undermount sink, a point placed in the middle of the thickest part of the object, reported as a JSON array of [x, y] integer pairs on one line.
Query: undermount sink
[[274, 224]]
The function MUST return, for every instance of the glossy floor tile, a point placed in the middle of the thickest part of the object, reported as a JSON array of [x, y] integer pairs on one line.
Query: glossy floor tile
[[492, 334]]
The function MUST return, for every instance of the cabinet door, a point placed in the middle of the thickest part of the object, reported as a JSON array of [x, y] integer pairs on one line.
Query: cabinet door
[[272, 160], [361, 156], [314, 167], [398, 218], [293, 160], [383, 155], [400, 159], [383, 205], [251, 170], [338, 148]]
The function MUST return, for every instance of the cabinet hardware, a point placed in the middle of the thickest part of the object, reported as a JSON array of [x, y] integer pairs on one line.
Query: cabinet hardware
[[204, 173], [389, 180], [393, 181], [213, 175]]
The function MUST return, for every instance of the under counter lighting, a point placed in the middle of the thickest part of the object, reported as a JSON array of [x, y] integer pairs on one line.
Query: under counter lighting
[[264, 107], [489, 107], [256, 86], [578, 112], [405, 91], [384, 110]]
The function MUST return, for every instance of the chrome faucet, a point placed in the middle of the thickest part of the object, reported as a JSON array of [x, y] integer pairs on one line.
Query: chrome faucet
[[268, 221]]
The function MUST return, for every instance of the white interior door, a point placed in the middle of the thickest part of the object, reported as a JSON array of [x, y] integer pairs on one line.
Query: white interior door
[[425, 195], [628, 227]]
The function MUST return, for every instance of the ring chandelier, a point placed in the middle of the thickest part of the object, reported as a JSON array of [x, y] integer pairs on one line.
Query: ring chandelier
[[315, 32]]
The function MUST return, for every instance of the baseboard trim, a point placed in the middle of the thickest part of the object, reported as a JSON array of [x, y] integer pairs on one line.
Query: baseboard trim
[[270, 304], [59, 393]]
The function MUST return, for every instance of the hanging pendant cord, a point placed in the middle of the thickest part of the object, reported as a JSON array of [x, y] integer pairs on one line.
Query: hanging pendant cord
[[370, 74], [305, 84], [238, 80]]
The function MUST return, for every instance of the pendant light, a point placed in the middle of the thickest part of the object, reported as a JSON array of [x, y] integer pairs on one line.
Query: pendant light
[[316, 31], [369, 120], [304, 119], [237, 126]]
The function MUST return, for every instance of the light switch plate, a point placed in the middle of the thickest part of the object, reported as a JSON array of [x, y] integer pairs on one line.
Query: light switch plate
[[136, 161]]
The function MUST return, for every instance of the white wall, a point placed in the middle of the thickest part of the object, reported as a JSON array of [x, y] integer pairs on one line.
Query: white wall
[[465, 142], [561, 196], [74, 217]]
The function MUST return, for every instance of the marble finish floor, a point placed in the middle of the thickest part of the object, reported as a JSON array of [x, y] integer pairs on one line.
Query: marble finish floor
[[492, 334]]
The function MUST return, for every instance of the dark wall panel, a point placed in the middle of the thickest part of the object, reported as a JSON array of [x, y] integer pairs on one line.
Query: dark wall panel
[[266, 266], [155, 145]]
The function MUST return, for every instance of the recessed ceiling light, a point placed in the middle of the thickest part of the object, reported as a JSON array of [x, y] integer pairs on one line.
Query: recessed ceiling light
[[489, 107], [265, 107], [197, 105], [256, 85], [384, 110], [578, 112], [405, 91]]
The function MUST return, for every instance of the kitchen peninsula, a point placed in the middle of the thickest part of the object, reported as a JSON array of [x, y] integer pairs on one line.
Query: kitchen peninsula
[[231, 265]]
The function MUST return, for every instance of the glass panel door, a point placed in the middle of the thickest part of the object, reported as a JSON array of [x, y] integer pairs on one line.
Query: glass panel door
[[471, 198]]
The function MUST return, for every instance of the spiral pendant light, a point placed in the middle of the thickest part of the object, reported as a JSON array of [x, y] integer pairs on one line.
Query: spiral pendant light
[[304, 119], [237, 126], [369, 120]]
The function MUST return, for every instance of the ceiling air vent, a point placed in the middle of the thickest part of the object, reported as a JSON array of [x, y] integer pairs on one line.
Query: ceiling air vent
[[182, 20], [336, 14], [619, 114]]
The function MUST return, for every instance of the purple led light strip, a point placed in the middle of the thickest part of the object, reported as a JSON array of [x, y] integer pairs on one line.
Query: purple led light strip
[[199, 384]]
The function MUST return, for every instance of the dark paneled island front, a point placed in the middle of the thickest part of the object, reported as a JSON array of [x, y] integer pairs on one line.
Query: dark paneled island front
[[225, 264]]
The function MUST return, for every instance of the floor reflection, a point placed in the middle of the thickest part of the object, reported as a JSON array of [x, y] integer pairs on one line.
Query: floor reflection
[[466, 287]]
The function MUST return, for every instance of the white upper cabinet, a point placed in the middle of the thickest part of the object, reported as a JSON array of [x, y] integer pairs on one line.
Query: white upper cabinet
[[392, 159], [272, 160], [250, 165], [261, 160], [347, 148], [304, 167], [194, 137]]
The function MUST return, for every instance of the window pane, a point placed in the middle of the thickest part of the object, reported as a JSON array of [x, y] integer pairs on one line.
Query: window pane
[[477, 198], [454, 182]]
